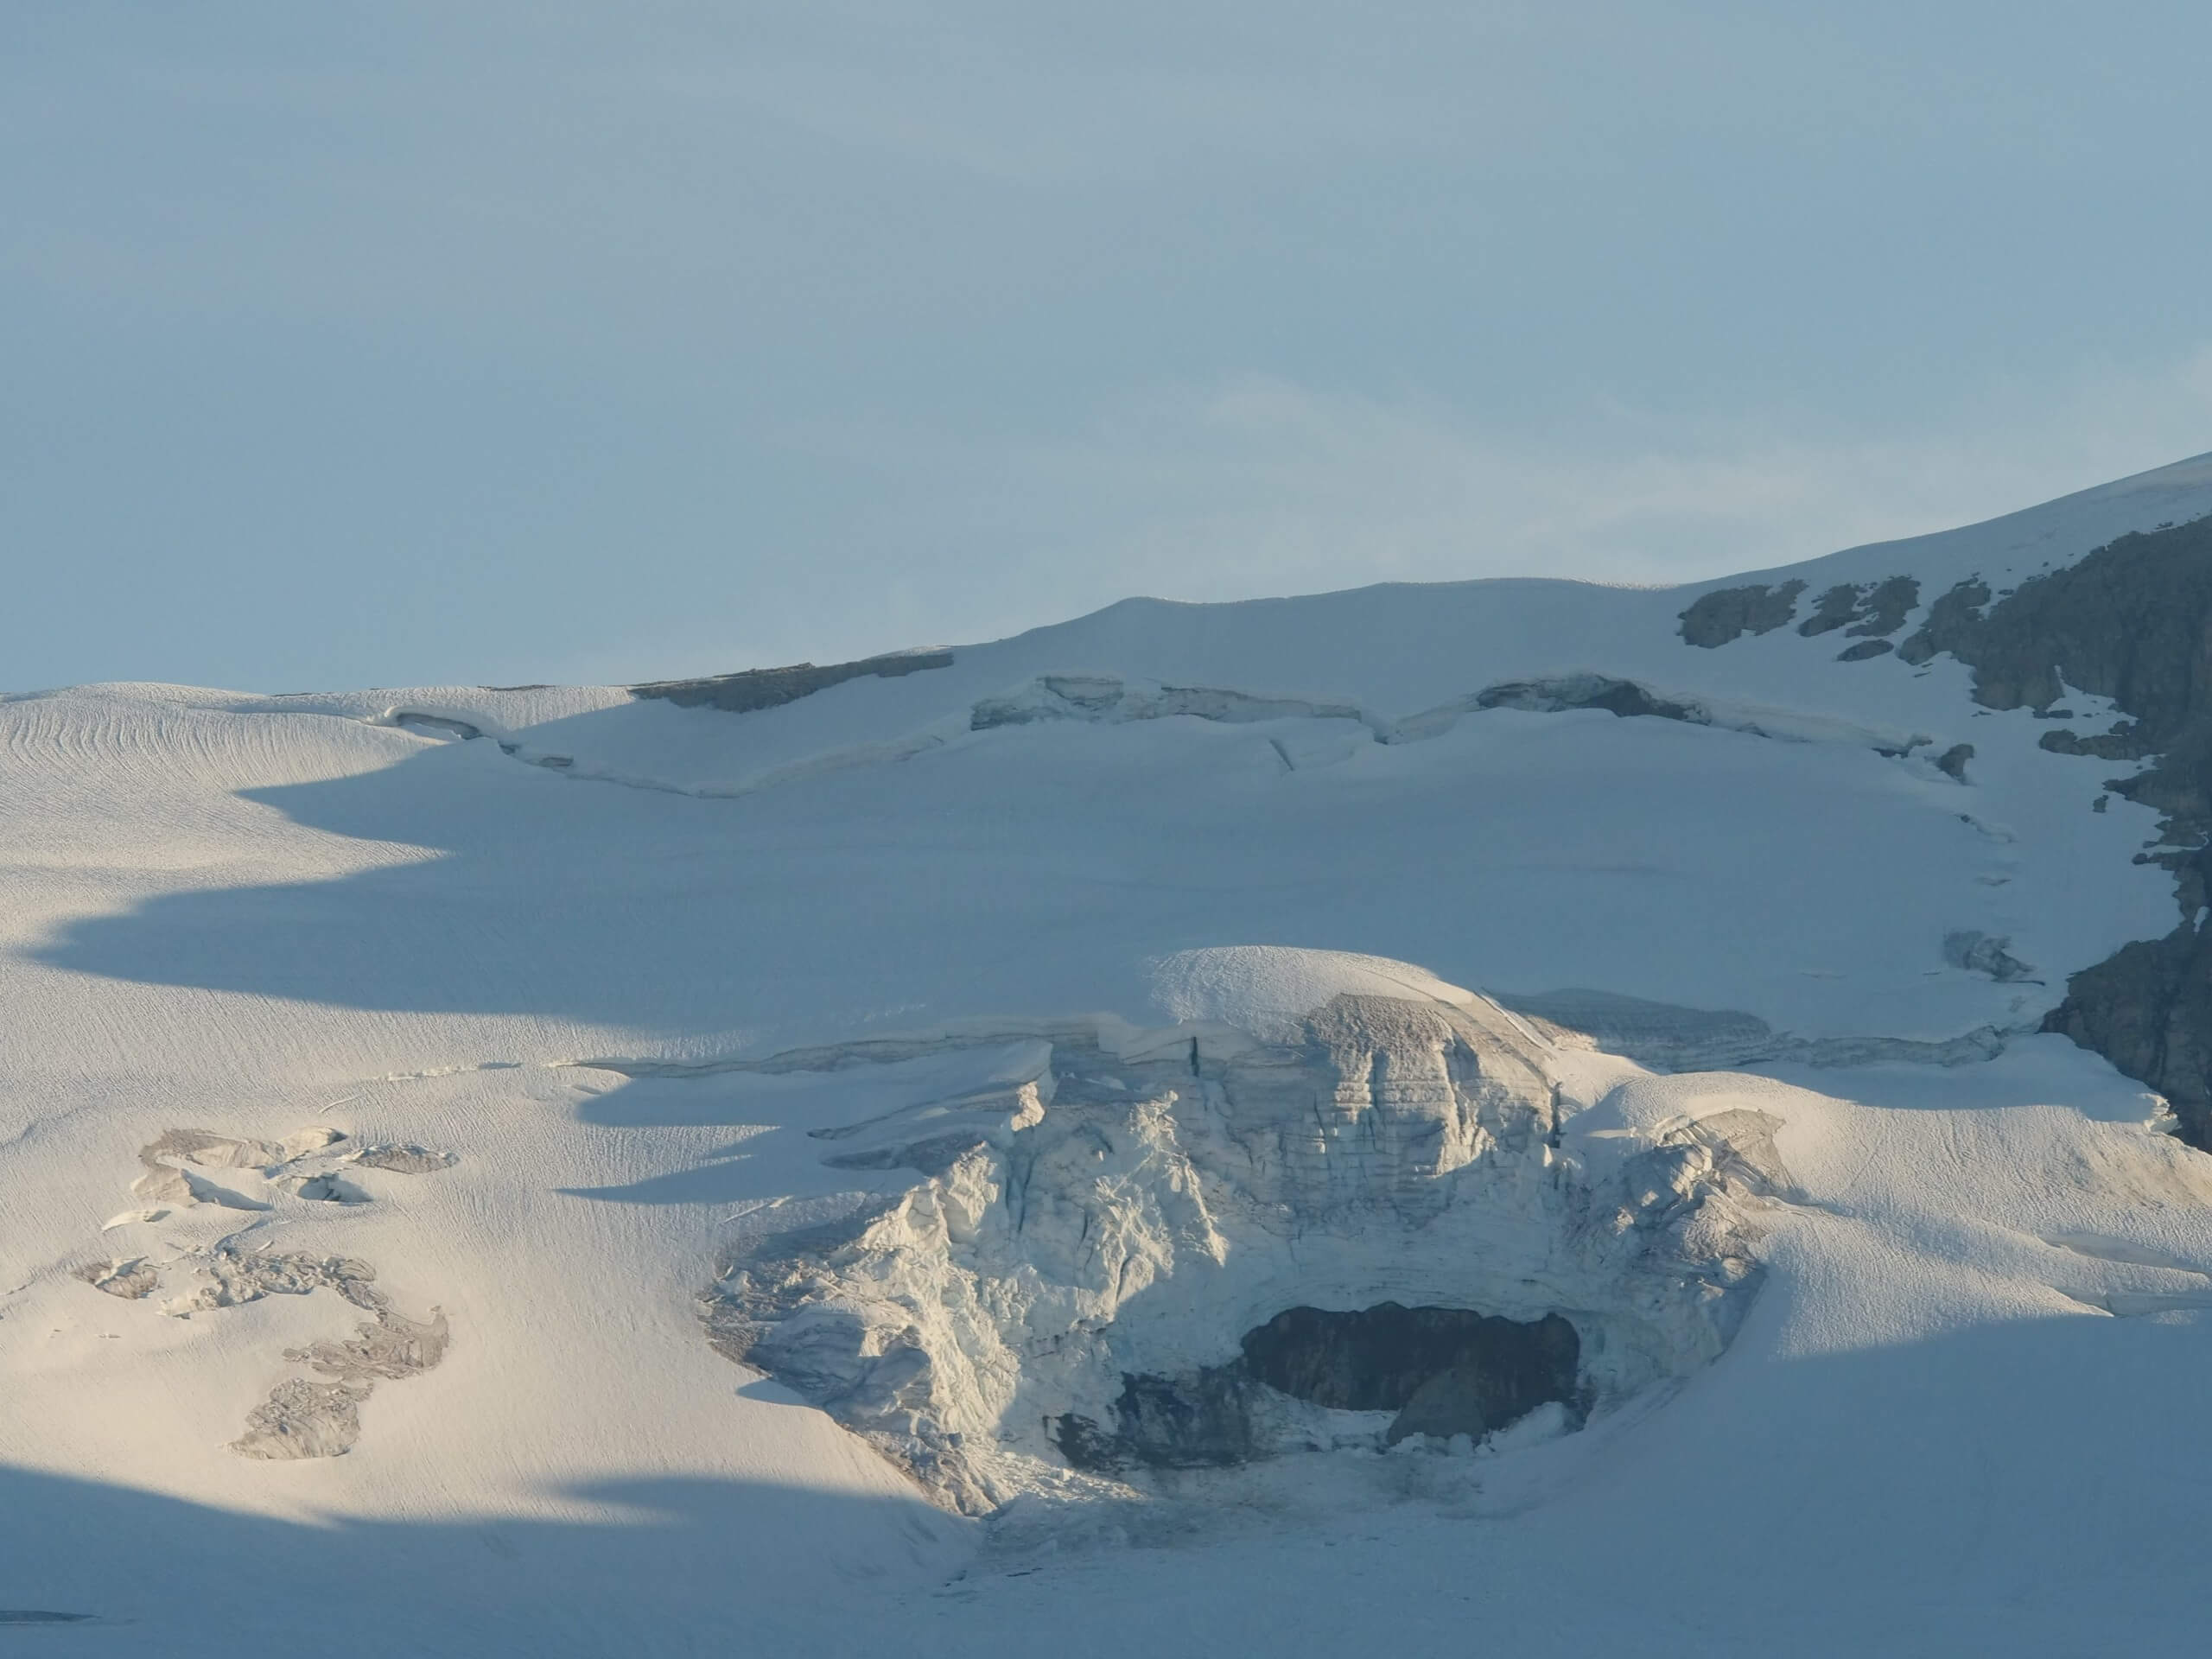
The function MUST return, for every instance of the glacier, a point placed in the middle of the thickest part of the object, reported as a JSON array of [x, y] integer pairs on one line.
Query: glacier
[[1574, 1116]]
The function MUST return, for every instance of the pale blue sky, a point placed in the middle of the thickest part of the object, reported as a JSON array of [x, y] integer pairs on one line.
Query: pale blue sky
[[352, 344]]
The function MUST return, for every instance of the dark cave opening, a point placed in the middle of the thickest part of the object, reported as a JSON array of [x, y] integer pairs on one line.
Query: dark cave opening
[[1444, 1371]]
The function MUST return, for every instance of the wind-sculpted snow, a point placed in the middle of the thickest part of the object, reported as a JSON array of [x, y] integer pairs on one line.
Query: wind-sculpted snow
[[1092, 1242]]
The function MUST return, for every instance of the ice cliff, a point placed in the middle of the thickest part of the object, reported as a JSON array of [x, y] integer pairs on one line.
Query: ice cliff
[[1336, 1203]]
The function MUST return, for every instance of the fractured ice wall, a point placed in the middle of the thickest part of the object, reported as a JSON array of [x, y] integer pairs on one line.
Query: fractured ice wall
[[1057, 1262]]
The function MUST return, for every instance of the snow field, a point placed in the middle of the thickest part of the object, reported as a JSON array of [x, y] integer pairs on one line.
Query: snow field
[[1963, 1413]]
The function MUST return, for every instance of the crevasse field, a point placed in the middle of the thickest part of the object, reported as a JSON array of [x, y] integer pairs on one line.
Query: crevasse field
[[558, 1171]]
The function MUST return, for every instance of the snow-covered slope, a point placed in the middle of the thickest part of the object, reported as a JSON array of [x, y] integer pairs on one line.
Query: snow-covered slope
[[1041, 1064]]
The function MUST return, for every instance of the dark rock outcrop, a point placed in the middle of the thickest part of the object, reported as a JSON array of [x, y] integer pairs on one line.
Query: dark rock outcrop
[[1379, 1358], [1978, 953], [1882, 606], [1953, 619], [1199, 1421], [1726, 614], [768, 687], [1831, 611], [2147, 1008], [1869, 611], [1443, 1370], [2131, 622]]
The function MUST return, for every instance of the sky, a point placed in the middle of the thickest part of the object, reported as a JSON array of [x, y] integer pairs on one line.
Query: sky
[[400, 343]]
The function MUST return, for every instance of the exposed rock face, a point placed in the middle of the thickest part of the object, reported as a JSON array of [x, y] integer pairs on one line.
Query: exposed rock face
[[2128, 622], [766, 688], [1442, 1370], [1727, 613], [1213, 1418], [1953, 618], [1094, 1271], [2147, 1008], [1869, 611], [1378, 1358], [2133, 622]]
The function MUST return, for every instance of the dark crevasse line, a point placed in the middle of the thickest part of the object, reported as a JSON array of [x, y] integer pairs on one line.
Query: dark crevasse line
[[770, 688]]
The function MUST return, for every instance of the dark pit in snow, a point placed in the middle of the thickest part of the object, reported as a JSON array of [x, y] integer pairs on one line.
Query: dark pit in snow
[[1443, 1370]]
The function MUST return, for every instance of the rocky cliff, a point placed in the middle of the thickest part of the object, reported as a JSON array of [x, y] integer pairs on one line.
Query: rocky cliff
[[2133, 622]]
